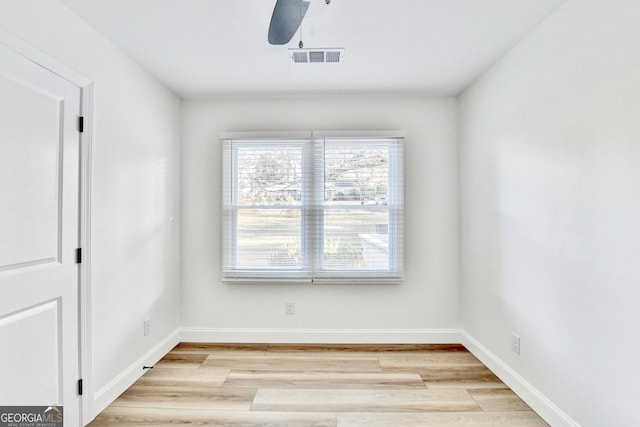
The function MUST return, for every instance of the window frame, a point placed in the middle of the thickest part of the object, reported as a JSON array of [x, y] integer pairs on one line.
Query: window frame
[[313, 207]]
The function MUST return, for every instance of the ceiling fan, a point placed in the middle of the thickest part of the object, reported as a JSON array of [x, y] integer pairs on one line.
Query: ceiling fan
[[286, 19]]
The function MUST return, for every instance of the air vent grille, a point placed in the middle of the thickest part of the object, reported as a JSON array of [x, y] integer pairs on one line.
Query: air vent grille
[[333, 56], [301, 56], [316, 56]]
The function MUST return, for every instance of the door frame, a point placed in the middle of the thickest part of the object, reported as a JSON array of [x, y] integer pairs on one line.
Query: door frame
[[84, 223]]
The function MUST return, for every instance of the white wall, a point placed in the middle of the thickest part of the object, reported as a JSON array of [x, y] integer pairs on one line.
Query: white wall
[[415, 310], [135, 191], [550, 155]]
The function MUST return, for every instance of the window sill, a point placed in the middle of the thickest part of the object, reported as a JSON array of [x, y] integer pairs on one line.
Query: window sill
[[316, 280]]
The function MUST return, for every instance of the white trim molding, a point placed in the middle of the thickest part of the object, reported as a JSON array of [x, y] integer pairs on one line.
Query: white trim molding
[[532, 397], [110, 392], [309, 134], [321, 336], [41, 58], [84, 297]]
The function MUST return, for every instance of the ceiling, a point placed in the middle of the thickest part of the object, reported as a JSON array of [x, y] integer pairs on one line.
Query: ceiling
[[202, 48]]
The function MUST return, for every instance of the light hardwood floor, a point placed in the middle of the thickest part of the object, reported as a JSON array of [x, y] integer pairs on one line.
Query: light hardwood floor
[[319, 386]]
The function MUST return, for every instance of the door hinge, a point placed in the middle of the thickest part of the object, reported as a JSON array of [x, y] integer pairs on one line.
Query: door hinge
[[81, 124], [80, 387], [79, 256]]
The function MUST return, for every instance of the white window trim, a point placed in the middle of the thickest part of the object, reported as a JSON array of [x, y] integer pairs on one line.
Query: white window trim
[[315, 275]]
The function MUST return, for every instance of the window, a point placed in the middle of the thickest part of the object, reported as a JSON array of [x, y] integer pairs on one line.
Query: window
[[313, 207]]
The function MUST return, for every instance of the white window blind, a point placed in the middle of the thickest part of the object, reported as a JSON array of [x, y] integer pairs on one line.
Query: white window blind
[[313, 207]]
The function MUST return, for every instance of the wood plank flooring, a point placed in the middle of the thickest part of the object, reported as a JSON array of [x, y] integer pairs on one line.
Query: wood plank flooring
[[318, 386]]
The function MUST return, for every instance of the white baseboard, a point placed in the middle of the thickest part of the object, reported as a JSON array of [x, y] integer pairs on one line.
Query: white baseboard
[[321, 336], [532, 397], [107, 394]]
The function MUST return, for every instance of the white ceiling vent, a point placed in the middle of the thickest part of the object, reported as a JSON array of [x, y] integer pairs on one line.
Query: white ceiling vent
[[319, 55]]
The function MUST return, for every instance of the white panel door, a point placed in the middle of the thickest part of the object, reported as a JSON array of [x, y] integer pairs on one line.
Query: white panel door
[[39, 222]]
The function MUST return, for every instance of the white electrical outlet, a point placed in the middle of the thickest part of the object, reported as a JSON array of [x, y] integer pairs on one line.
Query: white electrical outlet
[[515, 343], [290, 307], [147, 326]]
